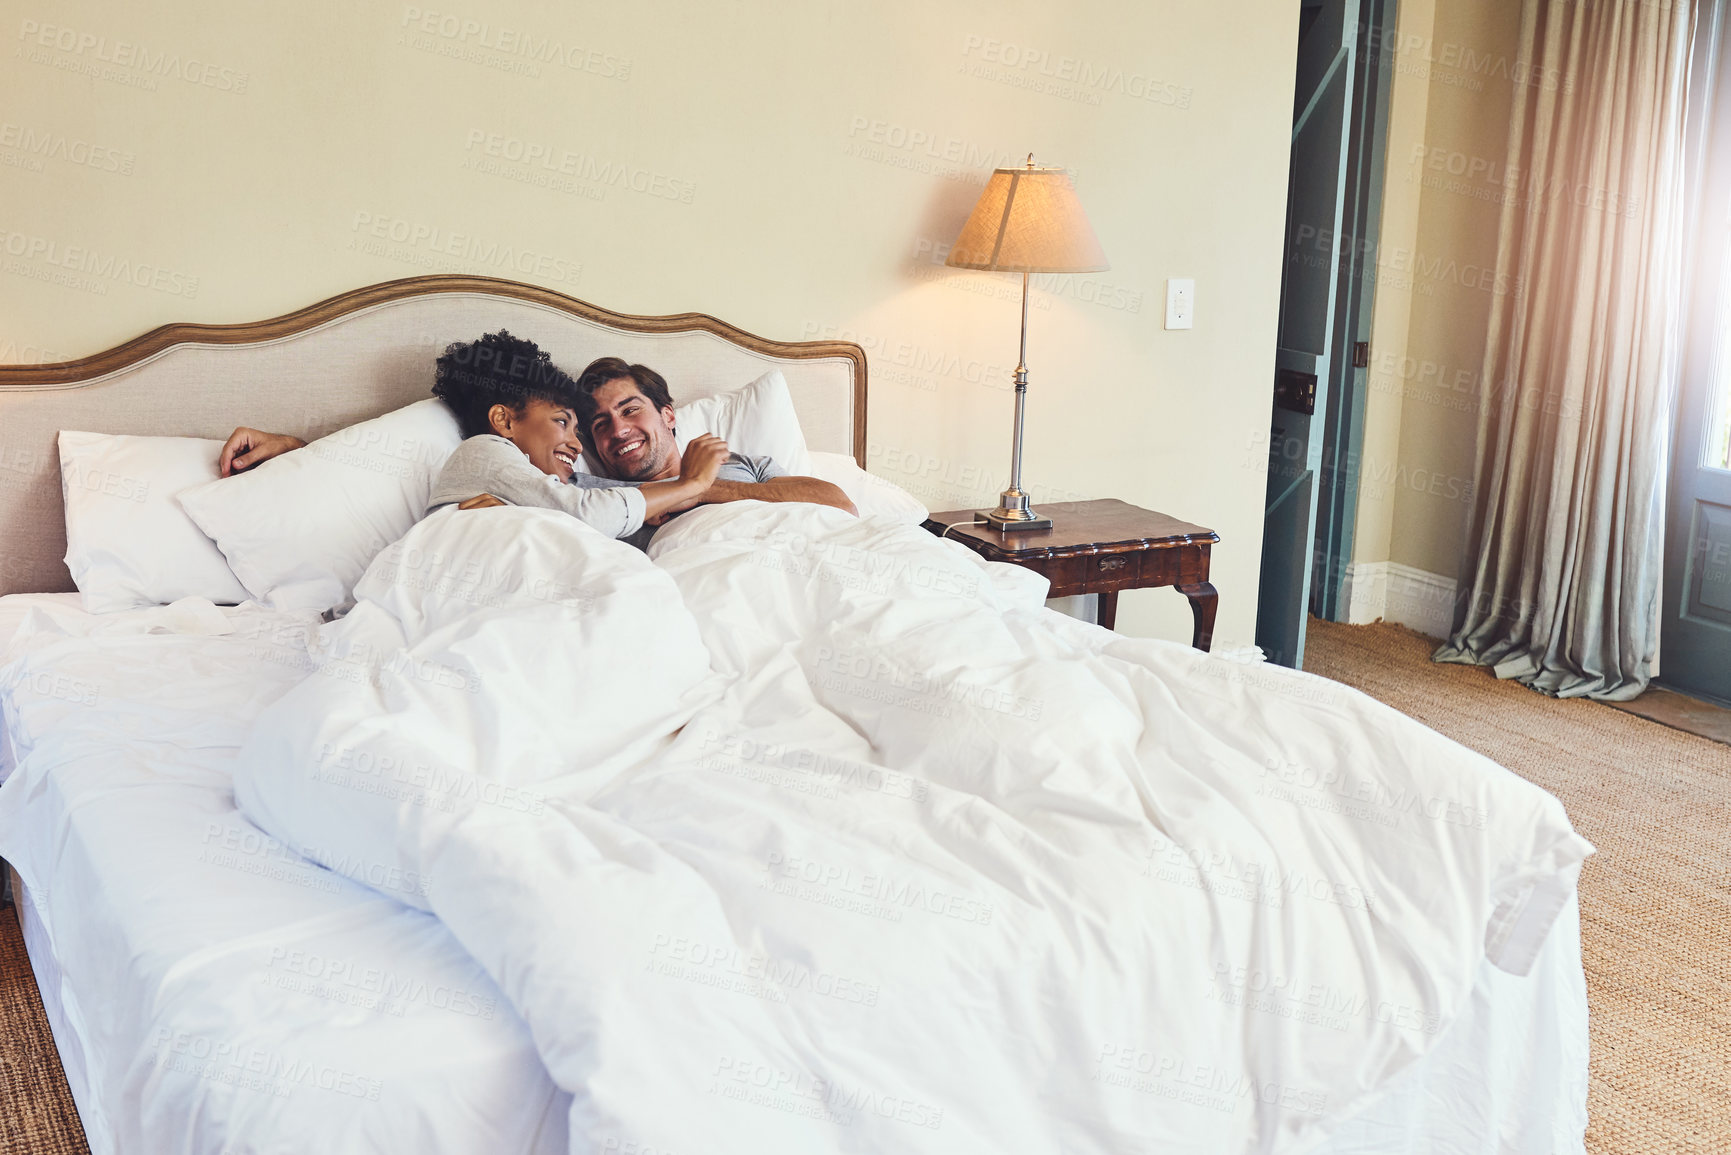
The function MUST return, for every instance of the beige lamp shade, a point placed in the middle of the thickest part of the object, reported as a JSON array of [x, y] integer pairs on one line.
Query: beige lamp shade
[[1028, 220]]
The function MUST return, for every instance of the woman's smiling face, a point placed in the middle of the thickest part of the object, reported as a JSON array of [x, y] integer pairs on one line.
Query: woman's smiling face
[[545, 431]]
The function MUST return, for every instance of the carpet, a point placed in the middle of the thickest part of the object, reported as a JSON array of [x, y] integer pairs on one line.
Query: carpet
[[36, 1112], [1655, 899]]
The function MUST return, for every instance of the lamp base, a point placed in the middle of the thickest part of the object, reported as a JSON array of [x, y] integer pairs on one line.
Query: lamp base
[[995, 518], [1013, 514]]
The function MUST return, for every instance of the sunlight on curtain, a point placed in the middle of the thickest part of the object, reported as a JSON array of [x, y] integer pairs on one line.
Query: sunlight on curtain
[[1566, 534]]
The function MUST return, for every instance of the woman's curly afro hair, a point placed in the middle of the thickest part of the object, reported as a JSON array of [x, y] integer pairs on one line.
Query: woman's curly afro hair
[[499, 369]]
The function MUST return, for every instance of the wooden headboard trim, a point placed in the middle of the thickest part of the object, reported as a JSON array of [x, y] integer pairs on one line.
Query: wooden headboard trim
[[91, 369]]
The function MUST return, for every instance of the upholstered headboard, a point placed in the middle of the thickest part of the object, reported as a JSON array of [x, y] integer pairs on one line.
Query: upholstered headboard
[[354, 357]]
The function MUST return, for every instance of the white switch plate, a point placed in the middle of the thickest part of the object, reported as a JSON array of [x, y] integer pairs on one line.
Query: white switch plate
[[1181, 303]]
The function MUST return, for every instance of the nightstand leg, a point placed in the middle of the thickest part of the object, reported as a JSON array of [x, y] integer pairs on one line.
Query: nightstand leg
[[1204, 600], [1106, 611]]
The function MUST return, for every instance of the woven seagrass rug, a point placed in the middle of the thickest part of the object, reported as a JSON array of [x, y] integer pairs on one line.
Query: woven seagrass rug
[[1655, 899], [36, 1112]]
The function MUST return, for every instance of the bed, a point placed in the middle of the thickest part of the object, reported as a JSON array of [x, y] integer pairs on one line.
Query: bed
[[530, 964]]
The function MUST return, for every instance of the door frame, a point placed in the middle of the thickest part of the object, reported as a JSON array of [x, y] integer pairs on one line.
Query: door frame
[[1361, 229]]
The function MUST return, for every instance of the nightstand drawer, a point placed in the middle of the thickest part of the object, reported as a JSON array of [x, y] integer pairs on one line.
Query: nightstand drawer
[[1175, 567], [1091, 573], [1110, 570]]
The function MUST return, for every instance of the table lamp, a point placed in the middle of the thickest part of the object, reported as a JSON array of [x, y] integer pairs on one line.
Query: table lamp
[[1028, 220]]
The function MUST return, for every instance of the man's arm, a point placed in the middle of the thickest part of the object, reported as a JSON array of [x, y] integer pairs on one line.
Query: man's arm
[[807, 489], [246, 448]]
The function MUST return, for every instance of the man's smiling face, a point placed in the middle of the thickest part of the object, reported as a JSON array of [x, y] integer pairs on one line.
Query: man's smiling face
[[633, 439]]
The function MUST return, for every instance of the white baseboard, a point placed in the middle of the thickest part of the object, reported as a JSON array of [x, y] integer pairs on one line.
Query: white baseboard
[[1387, 591]]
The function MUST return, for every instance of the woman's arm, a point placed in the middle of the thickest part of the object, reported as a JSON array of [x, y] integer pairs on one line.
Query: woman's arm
[[702, 460]]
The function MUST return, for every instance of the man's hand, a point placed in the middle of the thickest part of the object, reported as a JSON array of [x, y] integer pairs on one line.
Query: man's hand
[[245, 448], [481, 501], [703, 460]]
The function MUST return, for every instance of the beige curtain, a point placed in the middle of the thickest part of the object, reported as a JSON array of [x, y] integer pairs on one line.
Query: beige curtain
[[1565, 542]]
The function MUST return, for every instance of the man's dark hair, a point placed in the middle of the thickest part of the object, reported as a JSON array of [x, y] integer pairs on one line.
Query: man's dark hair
[[604, 369], [499, 369]]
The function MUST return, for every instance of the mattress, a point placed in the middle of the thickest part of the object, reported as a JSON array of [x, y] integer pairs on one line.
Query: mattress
[[211, 990]]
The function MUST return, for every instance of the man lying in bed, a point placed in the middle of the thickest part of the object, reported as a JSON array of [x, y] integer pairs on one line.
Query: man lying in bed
[[625, 414], [625, 417]]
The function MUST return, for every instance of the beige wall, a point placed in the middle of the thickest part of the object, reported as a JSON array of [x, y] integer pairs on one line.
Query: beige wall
[[1456, 71], [793, 168]]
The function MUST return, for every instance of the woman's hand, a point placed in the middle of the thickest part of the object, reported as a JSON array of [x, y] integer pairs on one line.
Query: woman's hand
[[481, 501], [246, 448], [703, 460]]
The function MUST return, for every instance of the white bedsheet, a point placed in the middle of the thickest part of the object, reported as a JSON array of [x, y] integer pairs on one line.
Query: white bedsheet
[[921, 867], [221, 992]]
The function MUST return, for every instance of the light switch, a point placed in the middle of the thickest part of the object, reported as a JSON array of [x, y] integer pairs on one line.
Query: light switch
[[1181, 303]]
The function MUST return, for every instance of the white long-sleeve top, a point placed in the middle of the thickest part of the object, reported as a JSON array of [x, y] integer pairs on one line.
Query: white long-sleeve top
[[491, 464]]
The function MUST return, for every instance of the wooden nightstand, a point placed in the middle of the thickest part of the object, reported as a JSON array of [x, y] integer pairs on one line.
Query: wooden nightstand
[[1102, 547]]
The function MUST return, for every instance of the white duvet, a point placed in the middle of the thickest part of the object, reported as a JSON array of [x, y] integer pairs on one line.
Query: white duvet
[[819, 834]]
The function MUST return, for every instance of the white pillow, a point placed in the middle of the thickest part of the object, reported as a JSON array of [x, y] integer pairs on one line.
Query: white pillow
[[301, 529], [757, 421], [871, 495], [127, 542]]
